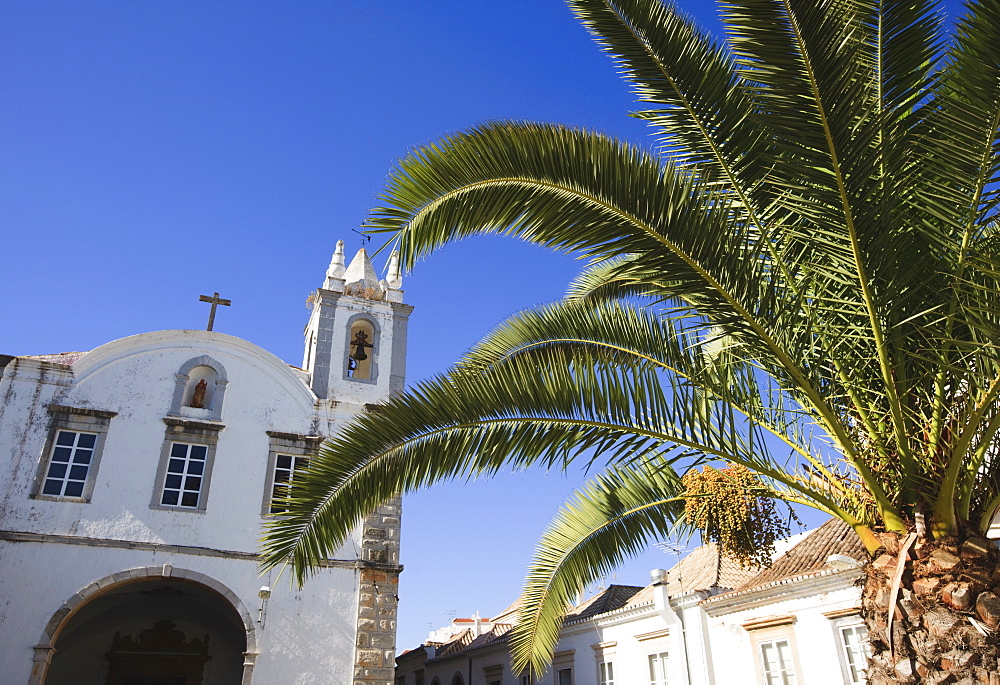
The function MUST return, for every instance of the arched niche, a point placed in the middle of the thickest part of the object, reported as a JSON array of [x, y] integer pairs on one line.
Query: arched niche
[[199, 389], [362, 340], [181, 620]]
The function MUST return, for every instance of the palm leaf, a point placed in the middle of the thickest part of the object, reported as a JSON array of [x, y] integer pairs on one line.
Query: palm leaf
[[612, 518], [805, 282]]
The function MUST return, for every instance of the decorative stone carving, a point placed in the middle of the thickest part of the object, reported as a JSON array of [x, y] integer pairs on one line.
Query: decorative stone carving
[[162, 651]]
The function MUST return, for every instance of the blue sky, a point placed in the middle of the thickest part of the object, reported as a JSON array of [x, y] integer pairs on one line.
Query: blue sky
[[156, 151]]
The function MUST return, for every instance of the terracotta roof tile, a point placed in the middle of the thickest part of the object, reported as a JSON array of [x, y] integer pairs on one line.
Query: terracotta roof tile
[[615, 597], [456, 645], [705, 569], [509, 615], [496, 635], [642, 597], [810, 555]]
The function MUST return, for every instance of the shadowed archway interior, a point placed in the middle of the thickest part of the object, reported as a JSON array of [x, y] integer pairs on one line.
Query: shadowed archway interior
[[151, 632]]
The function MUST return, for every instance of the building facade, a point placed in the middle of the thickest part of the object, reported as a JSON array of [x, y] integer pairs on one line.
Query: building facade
[[706, 621], [139, 477]]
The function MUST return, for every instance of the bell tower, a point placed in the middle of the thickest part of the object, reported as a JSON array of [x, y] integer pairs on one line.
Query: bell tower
[[355, 342], [355, 354]]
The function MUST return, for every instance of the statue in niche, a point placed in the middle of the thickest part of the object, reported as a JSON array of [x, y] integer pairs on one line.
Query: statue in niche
[[198, 398]]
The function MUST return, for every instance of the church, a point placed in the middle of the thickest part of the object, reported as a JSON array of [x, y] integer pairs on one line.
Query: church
[[140, 475]]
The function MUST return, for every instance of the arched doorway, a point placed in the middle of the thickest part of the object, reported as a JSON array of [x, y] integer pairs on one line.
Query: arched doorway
[[153, 631]]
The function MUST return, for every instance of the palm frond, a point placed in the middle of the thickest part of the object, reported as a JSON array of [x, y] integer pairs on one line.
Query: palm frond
[[618, 387], [806, 283], [703, 113], [611, 279], [467, 425], [613, 517]]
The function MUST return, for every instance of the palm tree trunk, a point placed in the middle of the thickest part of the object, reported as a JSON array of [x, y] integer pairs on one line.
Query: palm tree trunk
[[946, 616]]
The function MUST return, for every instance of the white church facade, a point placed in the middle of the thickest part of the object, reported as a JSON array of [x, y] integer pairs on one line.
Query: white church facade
[[138, 479]]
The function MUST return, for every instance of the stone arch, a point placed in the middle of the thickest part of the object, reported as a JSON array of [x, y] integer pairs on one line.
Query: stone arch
[[45, 649], [457, 679], [192, 371], [367, 371]]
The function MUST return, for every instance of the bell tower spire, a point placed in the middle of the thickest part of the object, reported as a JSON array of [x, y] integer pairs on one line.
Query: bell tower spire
[[336, 269], [355, 341]]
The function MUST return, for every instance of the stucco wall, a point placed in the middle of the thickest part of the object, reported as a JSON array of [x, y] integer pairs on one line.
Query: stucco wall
[[815, 636], [718, 648], [308, 637], [135, 378]]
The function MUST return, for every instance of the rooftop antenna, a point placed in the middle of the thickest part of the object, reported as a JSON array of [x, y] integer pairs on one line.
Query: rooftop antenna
[[676, 549]]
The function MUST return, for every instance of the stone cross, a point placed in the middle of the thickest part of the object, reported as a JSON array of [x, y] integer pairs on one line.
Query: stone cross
[[215, 300]]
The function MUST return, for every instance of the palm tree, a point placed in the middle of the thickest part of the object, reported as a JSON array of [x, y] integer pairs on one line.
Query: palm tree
[[795, 299]]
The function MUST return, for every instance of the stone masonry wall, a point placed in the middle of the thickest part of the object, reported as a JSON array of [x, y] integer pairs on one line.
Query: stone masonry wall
[[375, 655]]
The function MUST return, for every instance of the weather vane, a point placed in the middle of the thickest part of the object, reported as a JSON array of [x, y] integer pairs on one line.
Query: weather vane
[[365, 239]]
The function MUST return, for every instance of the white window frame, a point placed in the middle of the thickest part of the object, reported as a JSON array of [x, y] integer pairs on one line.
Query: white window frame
[[849, 619], [186, 432], [77, 421], [70, 458], [285, 444], [604, 653], [185, 475], [283, 478], [661, 658], [655, 644], [771, 631], [786, 673], [854, 673]]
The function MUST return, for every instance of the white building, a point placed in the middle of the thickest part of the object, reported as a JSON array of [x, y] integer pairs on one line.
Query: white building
[[138, 478], [706, 621]]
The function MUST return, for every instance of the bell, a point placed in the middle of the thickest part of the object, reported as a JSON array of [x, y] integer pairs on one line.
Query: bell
[[360, 342]]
